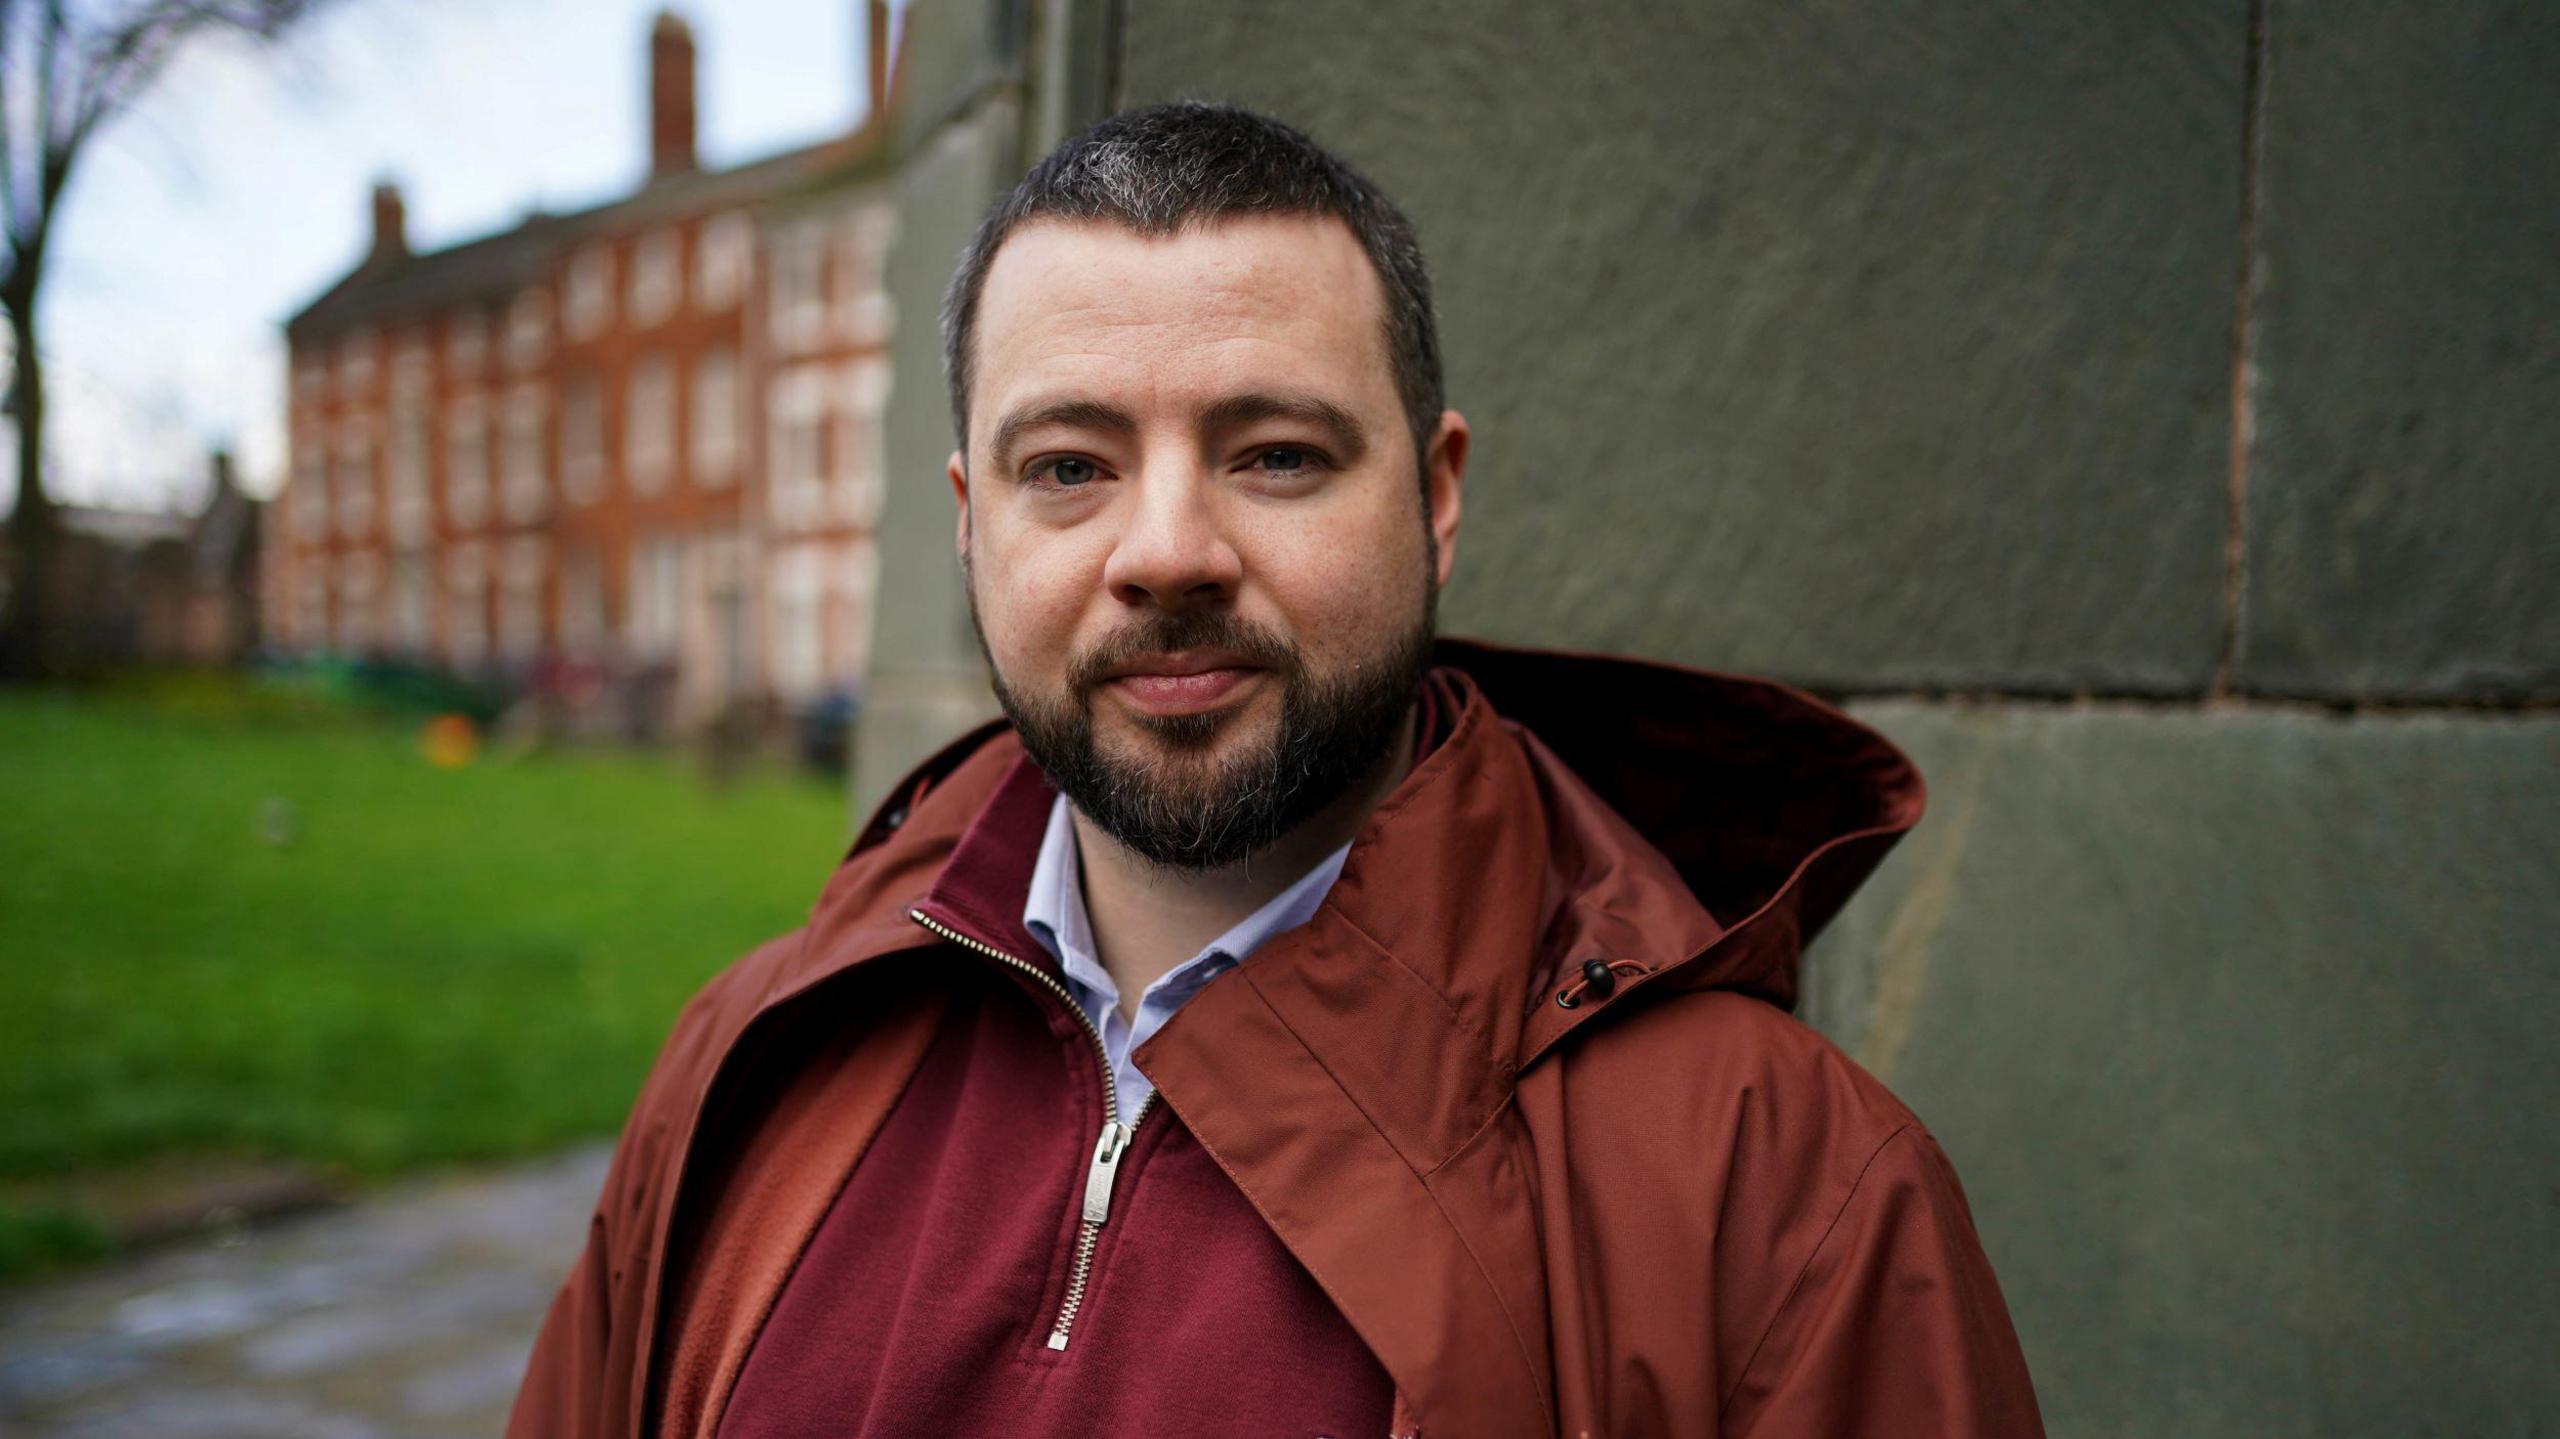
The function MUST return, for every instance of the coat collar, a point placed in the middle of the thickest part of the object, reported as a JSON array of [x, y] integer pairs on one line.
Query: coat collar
[[1738, 812]]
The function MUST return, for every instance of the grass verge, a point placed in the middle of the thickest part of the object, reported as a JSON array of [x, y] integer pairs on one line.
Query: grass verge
[[288, 936]]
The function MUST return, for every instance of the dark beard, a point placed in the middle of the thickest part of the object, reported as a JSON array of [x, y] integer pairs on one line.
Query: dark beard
[[1202, 814]]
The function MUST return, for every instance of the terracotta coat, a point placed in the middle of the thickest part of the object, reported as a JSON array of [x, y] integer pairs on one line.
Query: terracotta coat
[[1669, 1209]]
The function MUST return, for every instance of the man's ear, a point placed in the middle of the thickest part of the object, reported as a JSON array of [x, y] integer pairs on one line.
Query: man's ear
[[957, 467], [1444, 476]]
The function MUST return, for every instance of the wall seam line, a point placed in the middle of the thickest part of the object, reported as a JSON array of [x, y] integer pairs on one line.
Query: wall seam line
[[2244, 354]]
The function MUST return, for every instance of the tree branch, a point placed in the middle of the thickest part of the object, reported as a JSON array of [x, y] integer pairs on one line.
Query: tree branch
[[79, 79], [11, 19]]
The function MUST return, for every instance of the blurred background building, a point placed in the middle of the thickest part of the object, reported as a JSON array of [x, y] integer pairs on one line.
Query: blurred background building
[[630, 453], [164, 588]]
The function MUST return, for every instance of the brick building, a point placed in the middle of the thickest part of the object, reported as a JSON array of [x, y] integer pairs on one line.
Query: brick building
[[638, 444]]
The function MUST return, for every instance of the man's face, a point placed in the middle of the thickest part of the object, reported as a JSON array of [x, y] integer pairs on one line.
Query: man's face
[[1196, 546]]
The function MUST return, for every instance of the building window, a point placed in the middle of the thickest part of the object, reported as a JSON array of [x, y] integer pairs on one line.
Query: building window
[[466, 343], [853, 479], [799, 654], [874, 316], [797, 468], [720, 258], [715, 417], [413, 371], [799, 318], [310, 505], [355, 364], [649, 424], [311, 607], [855, 464], [355, 482], [867, 313], [582, 466], [854, 573], [520, 600], [529, 328], [466, 607], [310, 373], [407, 478], [586, 299], [358, 583], [722, 672], [657, 277], [412, 606], [656, 594], [466, 465], [524, 480], [582, 631]]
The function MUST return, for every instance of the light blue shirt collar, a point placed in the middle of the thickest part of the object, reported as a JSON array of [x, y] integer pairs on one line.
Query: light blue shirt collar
[[1054, 912]]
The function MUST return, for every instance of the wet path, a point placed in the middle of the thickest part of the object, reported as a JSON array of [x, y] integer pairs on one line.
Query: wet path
[[408, 1314]]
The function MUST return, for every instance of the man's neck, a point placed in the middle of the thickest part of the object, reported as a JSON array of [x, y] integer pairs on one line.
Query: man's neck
[[1147, 919]]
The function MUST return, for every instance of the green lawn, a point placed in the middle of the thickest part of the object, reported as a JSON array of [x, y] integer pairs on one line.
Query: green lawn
[[436, 964]]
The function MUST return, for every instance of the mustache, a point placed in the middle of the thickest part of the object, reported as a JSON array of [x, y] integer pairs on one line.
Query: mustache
[[1196, 629]]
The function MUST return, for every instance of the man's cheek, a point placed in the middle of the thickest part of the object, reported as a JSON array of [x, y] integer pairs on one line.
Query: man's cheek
[[1028, 605]]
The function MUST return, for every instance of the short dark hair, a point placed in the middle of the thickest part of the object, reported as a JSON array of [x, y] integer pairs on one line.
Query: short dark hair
[[1164, 168]]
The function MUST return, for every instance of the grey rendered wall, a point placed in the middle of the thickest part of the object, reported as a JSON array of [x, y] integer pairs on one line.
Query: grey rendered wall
[[959, 90], [2145, 413], [1803, 339], [982, 86]]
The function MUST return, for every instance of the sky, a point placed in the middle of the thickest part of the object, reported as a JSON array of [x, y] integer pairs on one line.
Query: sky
[[239, 188]]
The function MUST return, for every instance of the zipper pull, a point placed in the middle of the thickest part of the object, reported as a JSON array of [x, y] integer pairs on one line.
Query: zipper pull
[[1106, 1168]]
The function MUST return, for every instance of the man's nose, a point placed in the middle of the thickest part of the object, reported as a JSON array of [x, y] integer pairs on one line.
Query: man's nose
[[1175, 553]]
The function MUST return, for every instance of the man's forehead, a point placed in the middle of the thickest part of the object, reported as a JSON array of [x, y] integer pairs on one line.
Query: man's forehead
[[1244, 255], [1080, 302]]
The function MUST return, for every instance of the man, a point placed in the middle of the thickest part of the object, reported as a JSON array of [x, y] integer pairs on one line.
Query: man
[[1268, 1030]]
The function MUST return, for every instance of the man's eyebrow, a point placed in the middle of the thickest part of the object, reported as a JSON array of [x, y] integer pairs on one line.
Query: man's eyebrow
[[1340, 425], [1075, 414]]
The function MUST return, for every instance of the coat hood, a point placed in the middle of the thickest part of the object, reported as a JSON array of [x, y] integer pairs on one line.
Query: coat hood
[[1769, 806]]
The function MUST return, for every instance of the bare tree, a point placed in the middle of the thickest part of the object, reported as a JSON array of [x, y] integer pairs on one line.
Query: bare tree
[[66, 67]]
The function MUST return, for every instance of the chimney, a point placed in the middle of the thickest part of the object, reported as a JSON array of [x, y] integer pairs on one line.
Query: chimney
[[670, 95], [222, 477], [390, 226], [876, 42]]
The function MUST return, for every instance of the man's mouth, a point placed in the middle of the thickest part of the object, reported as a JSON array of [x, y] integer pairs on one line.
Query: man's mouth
[[1183, 682]]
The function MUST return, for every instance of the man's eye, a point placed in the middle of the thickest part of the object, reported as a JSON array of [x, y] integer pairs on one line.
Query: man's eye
[[1285, 459], [1066, 471]]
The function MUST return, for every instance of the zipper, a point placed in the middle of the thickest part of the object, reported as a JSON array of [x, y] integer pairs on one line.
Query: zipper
[[1103, 1171]]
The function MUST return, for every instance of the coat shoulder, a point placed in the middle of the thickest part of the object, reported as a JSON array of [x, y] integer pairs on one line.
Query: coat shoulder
[[1710, 1144], [1732, 1072], [711, 1020]]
